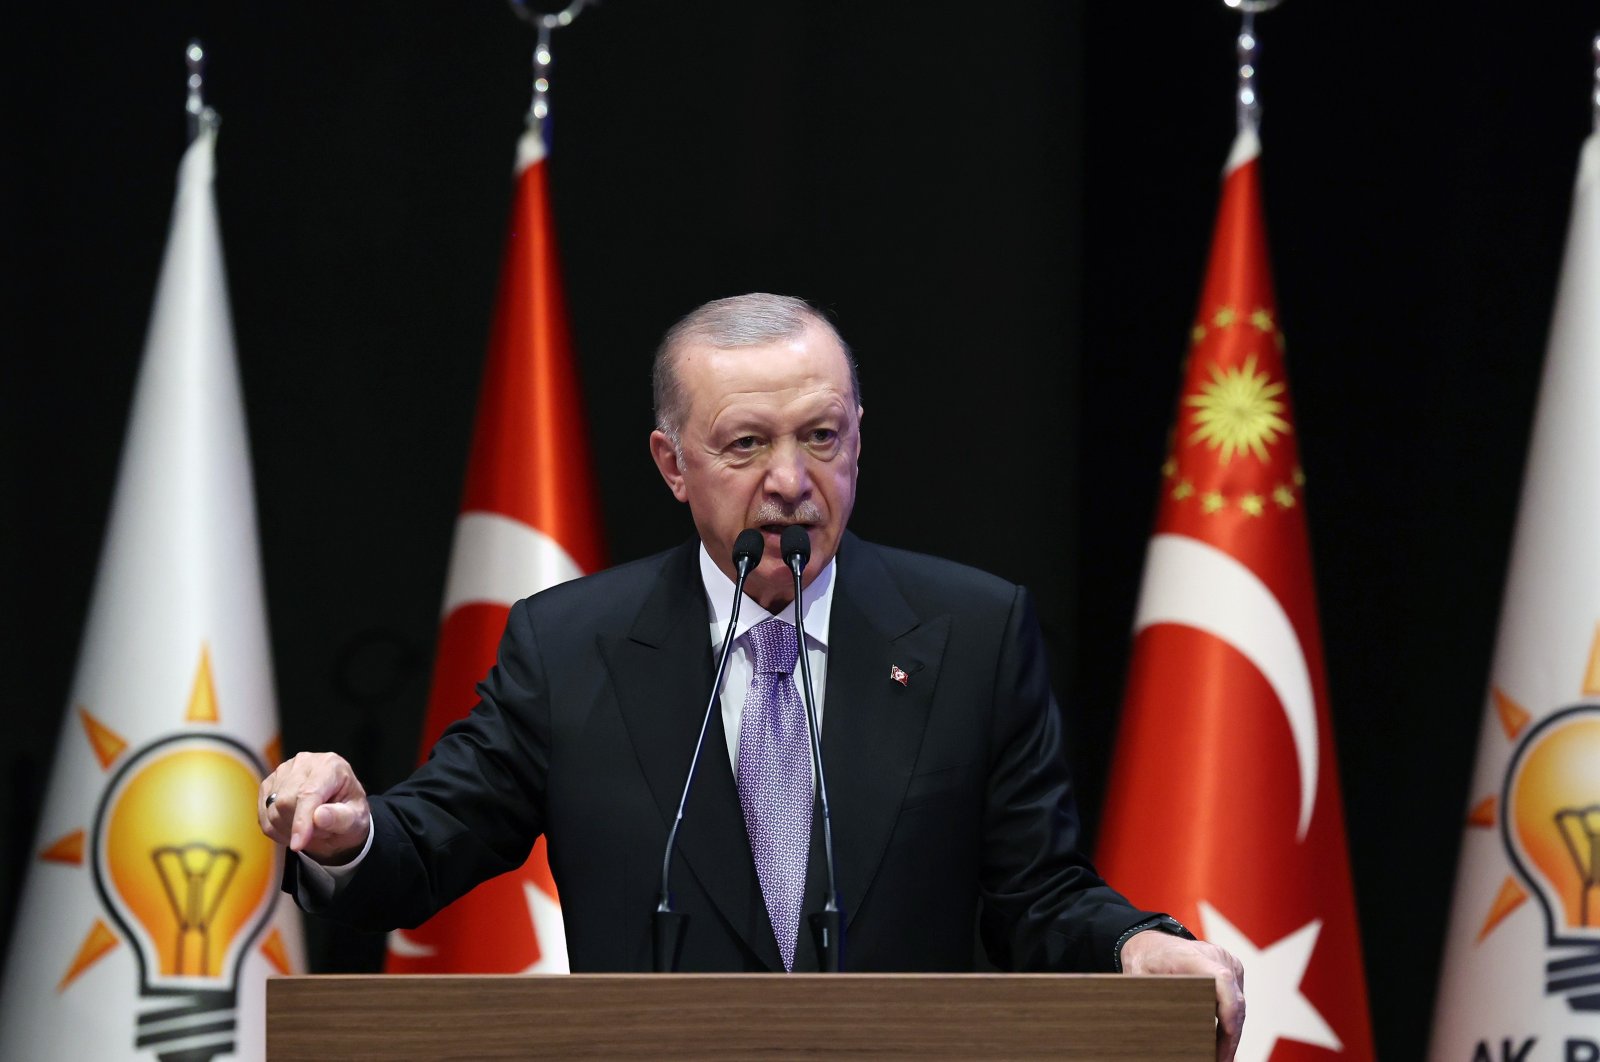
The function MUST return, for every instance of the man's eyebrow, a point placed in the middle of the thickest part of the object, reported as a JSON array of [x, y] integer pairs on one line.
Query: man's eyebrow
[[740, 422]]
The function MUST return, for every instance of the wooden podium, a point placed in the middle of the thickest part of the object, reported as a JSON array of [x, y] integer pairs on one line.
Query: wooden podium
[[726, 1016]]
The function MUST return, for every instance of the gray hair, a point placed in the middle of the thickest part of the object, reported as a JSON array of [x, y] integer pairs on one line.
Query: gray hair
[[728, 324]]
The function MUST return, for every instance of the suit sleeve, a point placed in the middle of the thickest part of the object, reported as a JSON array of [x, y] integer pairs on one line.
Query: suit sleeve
[[1044, 907], [472, 811]]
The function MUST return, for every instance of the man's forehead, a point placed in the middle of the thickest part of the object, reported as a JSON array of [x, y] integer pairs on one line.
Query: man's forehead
[[802, 361]]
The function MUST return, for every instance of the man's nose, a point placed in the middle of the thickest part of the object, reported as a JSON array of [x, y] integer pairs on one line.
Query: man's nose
[[788, 476]]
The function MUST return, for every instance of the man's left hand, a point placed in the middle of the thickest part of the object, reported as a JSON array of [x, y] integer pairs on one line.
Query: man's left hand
[[1155, 952]]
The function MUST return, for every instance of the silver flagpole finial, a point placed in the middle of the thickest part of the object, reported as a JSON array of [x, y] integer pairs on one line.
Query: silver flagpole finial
[[1595, 102], [1249, 48], [200, 116], [539, 109]]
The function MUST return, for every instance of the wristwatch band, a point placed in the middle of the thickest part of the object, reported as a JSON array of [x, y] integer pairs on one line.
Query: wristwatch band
[[1164, 923]]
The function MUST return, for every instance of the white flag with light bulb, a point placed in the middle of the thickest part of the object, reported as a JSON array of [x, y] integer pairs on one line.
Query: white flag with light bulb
[[151, 914], [1521, 975]]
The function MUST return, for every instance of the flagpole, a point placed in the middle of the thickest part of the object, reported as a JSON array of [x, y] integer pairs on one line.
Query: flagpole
[[1595, 99], [546, 24], [201, 117], [1249, 47]]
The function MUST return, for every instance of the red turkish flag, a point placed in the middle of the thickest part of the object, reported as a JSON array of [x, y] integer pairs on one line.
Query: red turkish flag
[[530, 519], [1224, 806]]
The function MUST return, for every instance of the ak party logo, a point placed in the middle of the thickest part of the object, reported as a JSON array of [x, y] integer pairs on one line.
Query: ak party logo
[[183, 875], [1548, 817]]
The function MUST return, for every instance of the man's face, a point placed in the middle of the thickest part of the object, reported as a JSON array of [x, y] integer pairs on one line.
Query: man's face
[[770, 438]]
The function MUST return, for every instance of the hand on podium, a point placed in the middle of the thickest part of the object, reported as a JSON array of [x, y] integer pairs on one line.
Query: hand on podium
[[1155, 952], [315, 804]]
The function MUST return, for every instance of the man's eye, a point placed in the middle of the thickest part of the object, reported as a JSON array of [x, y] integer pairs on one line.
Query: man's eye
[[823, 436], [744, 442]]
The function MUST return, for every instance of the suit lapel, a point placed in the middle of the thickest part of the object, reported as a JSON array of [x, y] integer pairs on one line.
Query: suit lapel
[[662, 673], [872, 725]]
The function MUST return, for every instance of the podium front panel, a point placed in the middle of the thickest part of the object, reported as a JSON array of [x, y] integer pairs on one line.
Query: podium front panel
[[729, 1016]]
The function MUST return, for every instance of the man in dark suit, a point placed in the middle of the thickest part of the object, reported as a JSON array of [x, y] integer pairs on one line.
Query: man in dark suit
[[941, 739]]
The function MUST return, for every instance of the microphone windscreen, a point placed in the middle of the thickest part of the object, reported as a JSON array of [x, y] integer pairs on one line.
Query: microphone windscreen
[[796, 543], [748, 547]]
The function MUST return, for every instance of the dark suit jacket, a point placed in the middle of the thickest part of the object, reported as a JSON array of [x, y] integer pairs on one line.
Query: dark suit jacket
[[950, 797]]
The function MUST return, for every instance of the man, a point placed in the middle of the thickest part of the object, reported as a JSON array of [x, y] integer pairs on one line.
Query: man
[[941, 739]]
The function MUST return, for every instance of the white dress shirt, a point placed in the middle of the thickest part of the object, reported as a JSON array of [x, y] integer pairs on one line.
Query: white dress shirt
[[736, 684]]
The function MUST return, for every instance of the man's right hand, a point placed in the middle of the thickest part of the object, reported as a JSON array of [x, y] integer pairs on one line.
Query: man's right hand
[[315, 805]]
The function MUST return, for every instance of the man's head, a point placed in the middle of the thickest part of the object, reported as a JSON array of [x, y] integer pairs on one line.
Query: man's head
[[758, 424]]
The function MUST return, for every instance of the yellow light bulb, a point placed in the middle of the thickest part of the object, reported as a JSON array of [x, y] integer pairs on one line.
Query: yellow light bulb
[[189, 879], [1553, 793], [1551, 830]]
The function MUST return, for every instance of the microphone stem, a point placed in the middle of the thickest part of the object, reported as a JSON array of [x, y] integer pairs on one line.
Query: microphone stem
[[665, 903], [831, 904]]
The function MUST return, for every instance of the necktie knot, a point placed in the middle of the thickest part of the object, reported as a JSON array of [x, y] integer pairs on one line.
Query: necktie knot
[[774, 647]]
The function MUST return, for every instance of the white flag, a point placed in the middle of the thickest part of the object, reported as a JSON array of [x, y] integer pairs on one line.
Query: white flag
[[151, 913], [1521, 976]]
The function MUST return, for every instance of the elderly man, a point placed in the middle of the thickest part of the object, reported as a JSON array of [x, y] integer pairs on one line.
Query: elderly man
[[940, 737]]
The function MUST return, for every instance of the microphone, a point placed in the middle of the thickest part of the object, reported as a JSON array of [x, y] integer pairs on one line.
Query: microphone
[[827, 925], [668, 925]]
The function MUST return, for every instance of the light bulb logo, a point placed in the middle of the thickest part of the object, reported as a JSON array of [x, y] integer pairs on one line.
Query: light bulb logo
[[1551, 830], [183, 876], [187, 877]]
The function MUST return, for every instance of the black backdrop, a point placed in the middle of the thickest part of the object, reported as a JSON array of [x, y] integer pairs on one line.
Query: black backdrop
[[1007, 210]]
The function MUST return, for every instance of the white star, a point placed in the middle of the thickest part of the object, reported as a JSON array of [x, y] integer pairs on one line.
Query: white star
[[1276, 1009], [549, 929]]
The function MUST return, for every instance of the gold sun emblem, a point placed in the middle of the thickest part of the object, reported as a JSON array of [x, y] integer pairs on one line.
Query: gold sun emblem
[[223, 907], [1238, 410]]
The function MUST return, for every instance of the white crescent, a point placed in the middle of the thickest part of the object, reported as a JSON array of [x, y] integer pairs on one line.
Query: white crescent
[[1193, 584], [498, 561]]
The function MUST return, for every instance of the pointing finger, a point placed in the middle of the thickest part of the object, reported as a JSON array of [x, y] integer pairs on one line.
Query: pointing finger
[[304, 825]]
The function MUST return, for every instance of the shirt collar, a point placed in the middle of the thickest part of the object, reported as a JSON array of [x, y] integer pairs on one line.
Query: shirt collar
[[818, 600]]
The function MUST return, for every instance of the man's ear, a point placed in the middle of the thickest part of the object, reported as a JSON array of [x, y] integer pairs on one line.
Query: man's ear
[[665, 456]]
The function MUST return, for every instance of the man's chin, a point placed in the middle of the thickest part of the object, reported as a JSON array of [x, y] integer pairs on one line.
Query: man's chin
[[771, 585]]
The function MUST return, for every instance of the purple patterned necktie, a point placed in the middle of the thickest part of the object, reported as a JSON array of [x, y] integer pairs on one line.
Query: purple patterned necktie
[[775, 778]]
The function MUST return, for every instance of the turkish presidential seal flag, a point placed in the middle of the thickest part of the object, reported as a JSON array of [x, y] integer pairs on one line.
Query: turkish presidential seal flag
[[529, 520], [1224, 805]]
